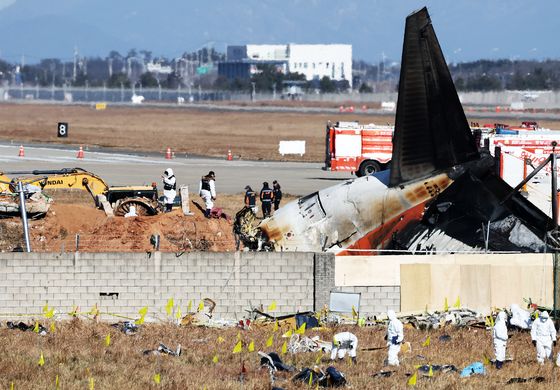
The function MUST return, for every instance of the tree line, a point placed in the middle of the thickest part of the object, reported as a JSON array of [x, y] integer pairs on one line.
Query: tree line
[[198, 69]]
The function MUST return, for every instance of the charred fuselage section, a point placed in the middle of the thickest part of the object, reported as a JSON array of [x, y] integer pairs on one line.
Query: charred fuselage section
[[441, 193]]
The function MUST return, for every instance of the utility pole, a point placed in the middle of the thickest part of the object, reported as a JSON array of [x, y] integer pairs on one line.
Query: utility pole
[[75, 69]]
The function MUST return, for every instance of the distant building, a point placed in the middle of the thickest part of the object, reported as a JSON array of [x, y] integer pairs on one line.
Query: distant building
[[314, 61]]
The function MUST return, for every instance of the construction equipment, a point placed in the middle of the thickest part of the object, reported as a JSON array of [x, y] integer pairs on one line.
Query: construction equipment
[[114, 200]]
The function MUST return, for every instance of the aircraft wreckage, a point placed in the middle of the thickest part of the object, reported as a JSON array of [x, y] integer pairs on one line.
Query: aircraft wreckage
[[440, 194]]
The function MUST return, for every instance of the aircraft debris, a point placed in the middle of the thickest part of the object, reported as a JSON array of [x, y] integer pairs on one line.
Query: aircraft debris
[[162, 349], [440, 194]]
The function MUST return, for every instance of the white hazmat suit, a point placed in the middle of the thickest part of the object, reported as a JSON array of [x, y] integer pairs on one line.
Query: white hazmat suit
[[169, 188], [342, 343], [395, 336], [207, 191], [543, 334], [500, 336]]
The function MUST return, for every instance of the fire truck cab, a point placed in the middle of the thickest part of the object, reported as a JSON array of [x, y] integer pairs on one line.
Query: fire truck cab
[[360, 149]]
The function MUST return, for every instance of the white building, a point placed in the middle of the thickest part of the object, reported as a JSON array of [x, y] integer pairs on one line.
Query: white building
[[314, 61]]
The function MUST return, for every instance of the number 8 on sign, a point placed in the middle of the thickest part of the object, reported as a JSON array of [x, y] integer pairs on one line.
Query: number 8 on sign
[[62, 129]]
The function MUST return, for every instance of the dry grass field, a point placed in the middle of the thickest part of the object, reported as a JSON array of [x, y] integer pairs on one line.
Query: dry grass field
[[251, 135], [77, 351]]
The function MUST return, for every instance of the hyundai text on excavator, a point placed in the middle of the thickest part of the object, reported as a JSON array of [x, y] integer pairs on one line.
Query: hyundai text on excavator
[[114, 200]]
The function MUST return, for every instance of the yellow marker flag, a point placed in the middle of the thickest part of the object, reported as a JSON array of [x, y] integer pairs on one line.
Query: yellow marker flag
[[12, 386], [157, 378], [36, 327], [201, 306], [91, 384], [46, 307], [74, 311], [270, 341], [412, 379], [178, 314], [215, 358], [94, 310], [319, 357], [41, 360], [56, 383], [354, 312], [169, 306], [272, 306], [431, 371], [220, 339], [457, 304], [445, 305], [301, 329], [427, 342], [238, 347], [52, 327], [143, 311], [284, 347], [108, 340], [288, 334], [49, 313], [189, 306], [485, 360], [251, 347], [275, 327], [310, 379]]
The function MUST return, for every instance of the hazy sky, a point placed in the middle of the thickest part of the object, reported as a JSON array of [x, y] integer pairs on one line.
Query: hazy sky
[[467, 29]]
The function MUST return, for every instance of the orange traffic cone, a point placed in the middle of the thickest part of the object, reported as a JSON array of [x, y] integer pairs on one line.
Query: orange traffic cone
[[80, 153], [21, 151], [229, 155], [168, 154]]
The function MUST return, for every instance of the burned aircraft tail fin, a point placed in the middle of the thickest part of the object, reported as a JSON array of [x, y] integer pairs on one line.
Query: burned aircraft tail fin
[[431, 130]]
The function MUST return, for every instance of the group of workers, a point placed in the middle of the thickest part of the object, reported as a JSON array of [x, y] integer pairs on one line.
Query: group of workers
[[268, 196], [206, 190], [543, 335]]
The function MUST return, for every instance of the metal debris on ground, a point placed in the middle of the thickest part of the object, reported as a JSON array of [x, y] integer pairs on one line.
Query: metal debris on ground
[[538, 379], [38, 328], [162, 349], [444, 368], [299, 344], [127, 327], [317, 377], [435, 320], [202, 316]]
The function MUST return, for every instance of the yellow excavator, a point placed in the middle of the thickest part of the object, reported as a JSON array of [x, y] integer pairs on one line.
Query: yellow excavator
[[114, 200]]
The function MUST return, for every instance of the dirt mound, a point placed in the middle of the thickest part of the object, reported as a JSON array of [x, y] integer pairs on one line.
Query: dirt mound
[[69, 227]]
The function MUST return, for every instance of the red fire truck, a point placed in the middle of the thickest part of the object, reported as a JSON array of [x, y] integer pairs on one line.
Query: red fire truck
[[360, 149]]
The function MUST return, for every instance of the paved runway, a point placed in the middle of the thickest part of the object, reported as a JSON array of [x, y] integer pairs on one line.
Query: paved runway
[[123, 169]]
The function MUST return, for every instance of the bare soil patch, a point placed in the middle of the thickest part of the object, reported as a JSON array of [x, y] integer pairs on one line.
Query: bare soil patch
[[250, 135]]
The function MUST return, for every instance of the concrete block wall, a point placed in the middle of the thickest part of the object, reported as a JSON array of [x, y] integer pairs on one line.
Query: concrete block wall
[[123, 283], [375, 300]]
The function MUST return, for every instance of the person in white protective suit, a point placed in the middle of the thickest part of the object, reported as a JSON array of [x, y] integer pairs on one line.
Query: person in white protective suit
[[395, 337], [500, 337], [169, 188], [344, 342], [543, 335], [207, 191]]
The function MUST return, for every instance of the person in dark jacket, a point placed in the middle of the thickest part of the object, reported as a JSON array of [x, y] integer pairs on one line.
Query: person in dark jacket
[[251, 199], [277, 194], [266, 197]]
